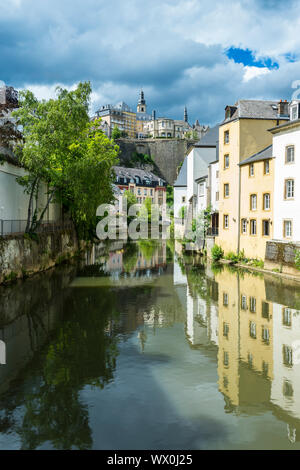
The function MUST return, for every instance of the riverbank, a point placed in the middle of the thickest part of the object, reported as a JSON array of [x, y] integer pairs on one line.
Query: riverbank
[[22, 257]]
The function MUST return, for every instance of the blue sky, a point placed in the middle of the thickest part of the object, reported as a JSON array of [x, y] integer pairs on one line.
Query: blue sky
[[199, 53]]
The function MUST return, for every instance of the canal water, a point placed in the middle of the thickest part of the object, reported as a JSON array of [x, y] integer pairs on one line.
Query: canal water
[[141, 347]]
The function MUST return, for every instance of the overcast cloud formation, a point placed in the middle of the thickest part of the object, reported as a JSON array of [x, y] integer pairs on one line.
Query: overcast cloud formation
[[204, 54]]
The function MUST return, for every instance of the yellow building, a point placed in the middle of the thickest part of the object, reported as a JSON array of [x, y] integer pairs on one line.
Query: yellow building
[[245, 356], [130, 124], [256, 205], [243, 134]]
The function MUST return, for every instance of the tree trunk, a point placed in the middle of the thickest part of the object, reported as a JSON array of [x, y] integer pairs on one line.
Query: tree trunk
[[38, 222], [29, 205]]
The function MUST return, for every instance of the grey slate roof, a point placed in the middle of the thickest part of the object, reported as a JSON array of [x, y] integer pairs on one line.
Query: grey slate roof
[[129, 173], [264, 154], [211, 137], [182, 177], [255, 109]]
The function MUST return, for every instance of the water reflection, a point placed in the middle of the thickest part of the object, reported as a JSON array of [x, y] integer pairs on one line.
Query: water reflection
[[141, 339], [258, 337]]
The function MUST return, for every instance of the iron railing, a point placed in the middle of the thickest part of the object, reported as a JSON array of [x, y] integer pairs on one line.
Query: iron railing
[[212, 231], [13, 227]]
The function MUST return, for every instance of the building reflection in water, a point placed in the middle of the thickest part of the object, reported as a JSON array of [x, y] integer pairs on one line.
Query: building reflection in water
[[258, 337]]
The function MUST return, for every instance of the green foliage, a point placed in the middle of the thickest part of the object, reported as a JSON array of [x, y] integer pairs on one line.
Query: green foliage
[[217, 253], [116, 133], [140, 158], [148, 248], [258, 263], [11, 277], [182, 212], [231, 256], [131, 198], [170, 196], [130, 257], [63, 149], [297, 259]]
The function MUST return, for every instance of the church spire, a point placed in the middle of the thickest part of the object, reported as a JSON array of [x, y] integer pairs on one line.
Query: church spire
[[185, 114]]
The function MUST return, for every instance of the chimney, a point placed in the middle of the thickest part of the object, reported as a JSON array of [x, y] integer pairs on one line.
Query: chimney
[[283, 108], [153, 115]]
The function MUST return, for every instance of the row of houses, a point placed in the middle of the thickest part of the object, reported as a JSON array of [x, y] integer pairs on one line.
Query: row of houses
[[141, 183], [245, 169]]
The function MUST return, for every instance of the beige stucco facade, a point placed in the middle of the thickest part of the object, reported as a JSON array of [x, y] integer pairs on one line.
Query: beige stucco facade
[[261, 186], [239, 139], [245, 336]]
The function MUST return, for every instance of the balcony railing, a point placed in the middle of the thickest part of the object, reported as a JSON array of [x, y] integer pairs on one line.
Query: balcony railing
[[13, 227], [212, 231]]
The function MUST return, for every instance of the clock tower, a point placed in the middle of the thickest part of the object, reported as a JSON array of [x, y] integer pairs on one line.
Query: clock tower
[[142, 107]]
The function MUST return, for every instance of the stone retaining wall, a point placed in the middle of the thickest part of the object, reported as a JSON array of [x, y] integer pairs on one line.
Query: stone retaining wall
[[280, 256], [22, 257]]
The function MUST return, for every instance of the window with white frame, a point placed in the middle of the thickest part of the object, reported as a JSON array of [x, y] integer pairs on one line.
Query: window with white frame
[[225, 299], [226, 190], [287, 228], [244, 226], [287, 353], [251, 169], [290, 154], [294, 113], [252, 227], [266, 167], [266, 228], [253, 330], [225, 329], [267, 201], [289, 188], [201, 189], [252, 304], [287, 316], [265, 334], [243, 302], [226, 137], [226, 221], [253, 202], [226, 161], [226, 359]]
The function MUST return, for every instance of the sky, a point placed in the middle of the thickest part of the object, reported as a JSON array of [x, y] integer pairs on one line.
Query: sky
[[203, 54]]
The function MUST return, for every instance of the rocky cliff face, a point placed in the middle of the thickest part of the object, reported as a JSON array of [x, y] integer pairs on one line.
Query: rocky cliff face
[[167, 154]]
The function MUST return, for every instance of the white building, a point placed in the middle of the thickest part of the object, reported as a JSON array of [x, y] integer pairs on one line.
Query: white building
[[285, 391], [286, 150], [13, 199], [180, 190]]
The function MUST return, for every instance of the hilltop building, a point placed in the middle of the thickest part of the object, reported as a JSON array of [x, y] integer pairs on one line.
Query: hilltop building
[[141, 124]]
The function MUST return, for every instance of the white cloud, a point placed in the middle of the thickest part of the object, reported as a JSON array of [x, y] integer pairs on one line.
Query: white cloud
[[253, 72], [174, 49]]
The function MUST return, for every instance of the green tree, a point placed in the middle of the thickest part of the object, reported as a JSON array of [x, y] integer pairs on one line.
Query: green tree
[[170, 195], [63, 149], [131, 198], [116, 133]]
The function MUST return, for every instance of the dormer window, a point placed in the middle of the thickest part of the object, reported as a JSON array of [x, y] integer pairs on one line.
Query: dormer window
[[294, 113]]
